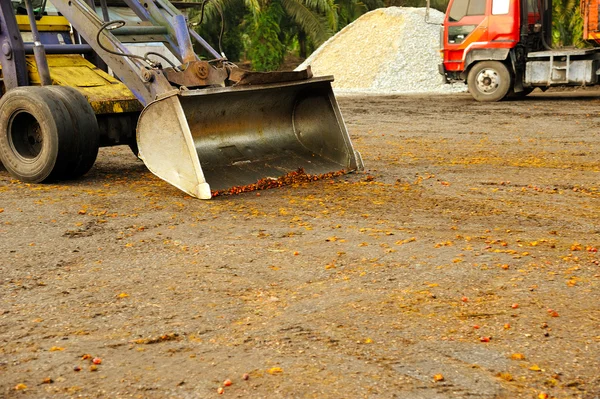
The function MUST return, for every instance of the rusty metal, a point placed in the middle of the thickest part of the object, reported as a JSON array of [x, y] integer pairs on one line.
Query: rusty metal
[[197, 74], [241, 77]]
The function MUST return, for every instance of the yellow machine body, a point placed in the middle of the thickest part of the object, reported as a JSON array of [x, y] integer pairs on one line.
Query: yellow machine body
[[219, 136], [105, 94]]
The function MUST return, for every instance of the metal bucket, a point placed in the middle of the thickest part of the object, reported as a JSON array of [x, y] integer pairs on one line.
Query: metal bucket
[[218, 138]]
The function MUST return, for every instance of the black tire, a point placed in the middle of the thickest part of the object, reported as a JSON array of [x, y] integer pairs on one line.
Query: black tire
[[85, 130], [489, 81], [36, 139]]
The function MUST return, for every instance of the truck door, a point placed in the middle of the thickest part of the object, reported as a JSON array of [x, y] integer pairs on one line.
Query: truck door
[[465, 23], [504, 20]]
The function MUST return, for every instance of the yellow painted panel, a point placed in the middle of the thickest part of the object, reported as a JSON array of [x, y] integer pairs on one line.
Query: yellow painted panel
[[76, 61], [106, 94], [77, 76], [48, 23]]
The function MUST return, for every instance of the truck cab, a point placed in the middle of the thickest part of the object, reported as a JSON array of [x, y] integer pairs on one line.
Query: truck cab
[[477, 30], [502, 48]]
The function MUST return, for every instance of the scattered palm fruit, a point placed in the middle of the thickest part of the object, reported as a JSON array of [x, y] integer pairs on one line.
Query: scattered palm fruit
[[505, 376], [298, 176], [162, 338], [275, 370]]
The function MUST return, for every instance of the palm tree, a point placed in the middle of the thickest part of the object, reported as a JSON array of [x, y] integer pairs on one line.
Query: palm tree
[[567, 23], [266, 29]]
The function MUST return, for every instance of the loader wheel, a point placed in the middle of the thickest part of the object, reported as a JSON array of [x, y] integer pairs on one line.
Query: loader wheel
[[35, 134], [85, 131], [489, 81]]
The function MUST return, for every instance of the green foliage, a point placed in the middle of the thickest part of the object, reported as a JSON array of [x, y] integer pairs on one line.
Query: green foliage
[[350, 10], [266, 49], [317, 19], [567, 24], [233, 28], [265, 30]]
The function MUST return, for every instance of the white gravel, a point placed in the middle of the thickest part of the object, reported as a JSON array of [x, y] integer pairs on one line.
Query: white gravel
[[386, 51]]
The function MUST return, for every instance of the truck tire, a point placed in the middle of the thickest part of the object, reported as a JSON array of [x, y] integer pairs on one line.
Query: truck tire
[[36, 139], [85, 131], [489, 81]]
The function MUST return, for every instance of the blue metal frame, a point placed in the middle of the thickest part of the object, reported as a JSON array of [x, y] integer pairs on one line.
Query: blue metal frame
[[145, 83], [12, 50], [38, 48], [153, 14], [181, 47]]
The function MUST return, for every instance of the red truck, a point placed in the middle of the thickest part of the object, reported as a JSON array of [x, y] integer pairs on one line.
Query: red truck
[[503, 48]]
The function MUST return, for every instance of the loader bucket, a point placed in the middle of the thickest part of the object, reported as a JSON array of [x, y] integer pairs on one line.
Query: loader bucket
[[219, 138]]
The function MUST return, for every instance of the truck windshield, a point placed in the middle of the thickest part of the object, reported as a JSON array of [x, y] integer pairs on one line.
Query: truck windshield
[[462, 8]]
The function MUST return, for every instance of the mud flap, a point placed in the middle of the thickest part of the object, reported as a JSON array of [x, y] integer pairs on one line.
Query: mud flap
[[219, 138]]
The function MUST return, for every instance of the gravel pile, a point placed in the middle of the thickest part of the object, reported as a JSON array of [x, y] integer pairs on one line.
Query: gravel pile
[[388, 50]]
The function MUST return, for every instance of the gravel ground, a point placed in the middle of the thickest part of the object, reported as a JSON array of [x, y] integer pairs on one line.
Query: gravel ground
[[462, 264], [388, 50]]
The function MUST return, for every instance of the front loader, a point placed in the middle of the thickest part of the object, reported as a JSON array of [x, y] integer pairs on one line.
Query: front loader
[[201, 125]]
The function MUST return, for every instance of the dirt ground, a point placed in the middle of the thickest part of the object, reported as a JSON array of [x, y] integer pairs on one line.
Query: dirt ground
[[471, 223]]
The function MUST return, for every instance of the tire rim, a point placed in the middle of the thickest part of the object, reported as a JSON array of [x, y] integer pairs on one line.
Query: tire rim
[[488, 81], [25, 136]]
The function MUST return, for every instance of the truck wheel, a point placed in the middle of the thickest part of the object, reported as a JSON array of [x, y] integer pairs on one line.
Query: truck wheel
[[85, 131], [35, 134], [489, 81]]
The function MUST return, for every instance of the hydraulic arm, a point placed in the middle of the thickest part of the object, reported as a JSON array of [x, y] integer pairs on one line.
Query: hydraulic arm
[[205, 124]]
